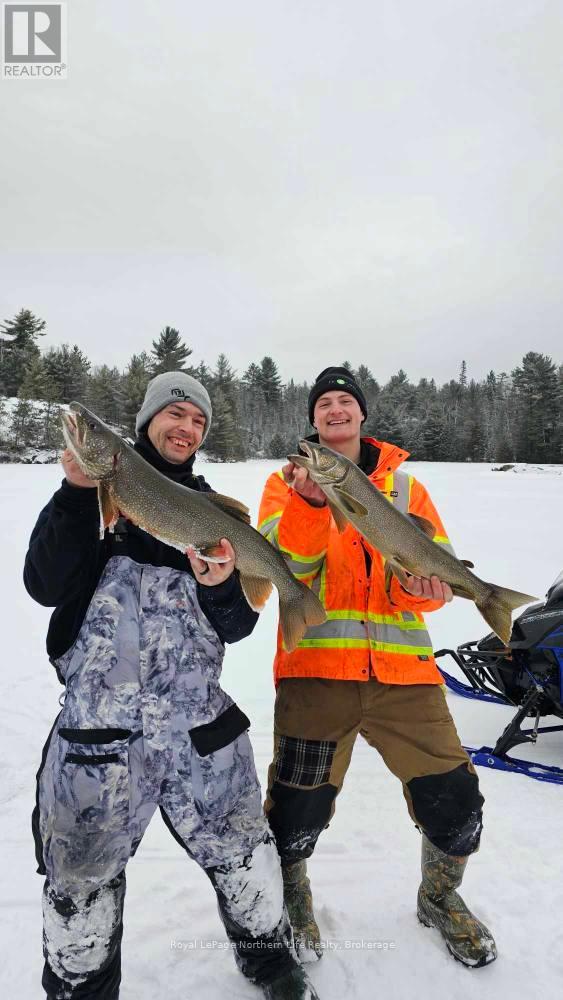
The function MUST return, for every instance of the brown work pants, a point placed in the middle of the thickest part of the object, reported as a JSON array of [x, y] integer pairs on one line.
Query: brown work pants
[[316, 723]]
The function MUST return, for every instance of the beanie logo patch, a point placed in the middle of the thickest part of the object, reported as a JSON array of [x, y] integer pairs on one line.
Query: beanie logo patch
[[340, 381], [180, 392]]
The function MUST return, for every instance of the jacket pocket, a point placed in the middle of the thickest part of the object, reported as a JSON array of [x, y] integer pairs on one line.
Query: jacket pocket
[[222, 763]]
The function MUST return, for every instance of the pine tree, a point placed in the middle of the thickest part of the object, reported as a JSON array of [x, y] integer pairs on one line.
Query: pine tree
[[133, 389], [384, 424], [413, 439], [368, 385], [202, 373], [366, 381], [34, 383], [2, 419], [104, 395], [223, 440], [537, 391], [433, 443], [17, 348], [170, 352], [23, 331], [294, 416], [252, 410], [558, 439], [253, 376], [224, 379], [474, 430], [44, 420], [25, 425], [277, 447], [69, 369], [270, 382], [52, 431]]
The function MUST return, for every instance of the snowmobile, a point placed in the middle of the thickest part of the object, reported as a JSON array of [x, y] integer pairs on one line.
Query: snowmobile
[[527, 674]]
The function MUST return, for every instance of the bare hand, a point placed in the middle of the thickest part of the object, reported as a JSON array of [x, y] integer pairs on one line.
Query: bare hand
[[209, 574], [433, 588], [73, 472], [300, 481]]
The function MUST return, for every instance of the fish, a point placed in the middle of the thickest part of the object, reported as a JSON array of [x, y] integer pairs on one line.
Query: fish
[[405, 541], [183, 518]]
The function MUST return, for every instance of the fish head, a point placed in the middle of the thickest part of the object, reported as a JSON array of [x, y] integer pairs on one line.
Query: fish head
[[94, 445], [325, 467]]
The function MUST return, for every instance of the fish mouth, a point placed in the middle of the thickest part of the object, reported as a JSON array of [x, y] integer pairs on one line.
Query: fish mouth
[[317, 462], [309, 452], [72, 430], [307, 461]]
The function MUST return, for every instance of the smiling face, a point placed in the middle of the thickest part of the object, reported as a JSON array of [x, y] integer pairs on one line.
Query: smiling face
[[176, 431], [337, 418]]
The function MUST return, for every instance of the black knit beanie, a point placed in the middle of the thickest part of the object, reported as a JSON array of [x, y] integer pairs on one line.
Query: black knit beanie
[[339, 379]]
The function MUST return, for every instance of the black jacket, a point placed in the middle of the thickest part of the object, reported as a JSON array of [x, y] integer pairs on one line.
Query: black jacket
[[66, 559]]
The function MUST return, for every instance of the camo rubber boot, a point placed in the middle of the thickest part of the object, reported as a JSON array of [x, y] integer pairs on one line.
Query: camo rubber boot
[[299, 902], [440, 906], [293, 986]]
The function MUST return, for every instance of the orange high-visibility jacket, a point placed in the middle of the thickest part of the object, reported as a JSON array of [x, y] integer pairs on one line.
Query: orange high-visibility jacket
[[367, 632]]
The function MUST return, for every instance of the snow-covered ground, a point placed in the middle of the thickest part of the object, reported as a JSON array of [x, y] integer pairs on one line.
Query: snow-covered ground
[[24, 454], [366, 867]]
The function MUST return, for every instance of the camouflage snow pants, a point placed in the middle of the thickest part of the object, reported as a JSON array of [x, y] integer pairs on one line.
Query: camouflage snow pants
[[93, 801], [146, 725]]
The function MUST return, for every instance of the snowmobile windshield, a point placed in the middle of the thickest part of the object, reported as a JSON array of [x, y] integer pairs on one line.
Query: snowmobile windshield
[[555, 592]]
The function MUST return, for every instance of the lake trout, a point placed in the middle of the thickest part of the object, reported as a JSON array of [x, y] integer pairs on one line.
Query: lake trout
[[405, 541], [182, 517]]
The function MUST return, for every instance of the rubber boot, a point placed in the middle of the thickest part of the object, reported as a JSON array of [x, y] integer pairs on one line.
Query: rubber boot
[[293, 986], [299, 902], [440, 906]]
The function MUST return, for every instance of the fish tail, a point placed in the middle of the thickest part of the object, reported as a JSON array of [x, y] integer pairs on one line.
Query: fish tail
[[298, 611], [497, 608]]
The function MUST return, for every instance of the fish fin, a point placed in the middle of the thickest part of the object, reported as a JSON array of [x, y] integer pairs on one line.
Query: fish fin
[[301, 610], [459, 591], [424, 524], [468, 563], [231, 506], [395, 569], [340, 519], [109, 512], [214, 552], [497, 608], [256, 589], [350, 503]]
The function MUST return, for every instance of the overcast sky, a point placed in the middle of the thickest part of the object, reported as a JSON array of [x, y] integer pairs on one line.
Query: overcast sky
[[319, 180]]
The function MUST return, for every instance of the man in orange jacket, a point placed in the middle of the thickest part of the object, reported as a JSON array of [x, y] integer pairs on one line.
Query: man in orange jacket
[[368, 669]]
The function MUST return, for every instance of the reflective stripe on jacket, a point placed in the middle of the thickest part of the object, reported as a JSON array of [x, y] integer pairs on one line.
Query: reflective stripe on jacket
[[367, 632]]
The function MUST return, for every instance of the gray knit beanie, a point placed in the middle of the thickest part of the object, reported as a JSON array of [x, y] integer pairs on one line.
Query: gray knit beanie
[[173, 387]]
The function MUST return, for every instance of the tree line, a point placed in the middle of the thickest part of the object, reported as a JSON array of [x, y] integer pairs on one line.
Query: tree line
[[505, 417]]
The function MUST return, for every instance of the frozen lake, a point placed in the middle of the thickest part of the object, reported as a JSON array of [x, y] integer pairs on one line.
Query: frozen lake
[[365, 871]]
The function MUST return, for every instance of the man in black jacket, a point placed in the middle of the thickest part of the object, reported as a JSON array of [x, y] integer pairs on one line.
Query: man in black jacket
[[137, 638]]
